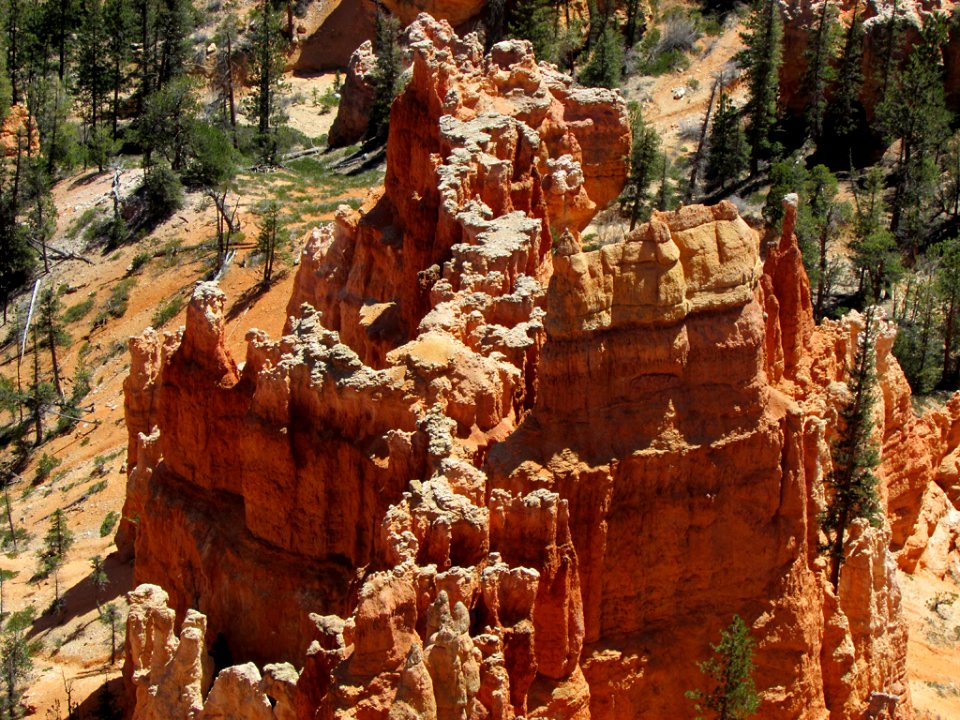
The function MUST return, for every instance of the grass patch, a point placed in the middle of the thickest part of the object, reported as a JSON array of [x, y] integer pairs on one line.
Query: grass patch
[[116, 305], [98, 486], [77, 226], [167, 310], [79, 311]]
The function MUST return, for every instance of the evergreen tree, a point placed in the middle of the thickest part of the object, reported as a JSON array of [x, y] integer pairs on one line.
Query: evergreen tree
[[56, 543], [820, 218], [761, 60], [606, 60], [386, 78], [893, 39], [93, 73], [536, 21], [266, 69], [733, 695], [876, 258], [786, 176], [821, 52], [175, 21], [851, 484], [168, 123], [50, 327], [644, 161], [844, 111], [100, 580], [15, 661], [915, 112], [113, 619], [918, 330], [226, 73], [948, 290], [41, 220], [120, 29], [635, 21], [667, 194], [727, 158], [268, 238]]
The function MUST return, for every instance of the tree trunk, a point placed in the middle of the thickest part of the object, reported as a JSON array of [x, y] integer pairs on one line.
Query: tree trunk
[[947, 341], [698, 155]]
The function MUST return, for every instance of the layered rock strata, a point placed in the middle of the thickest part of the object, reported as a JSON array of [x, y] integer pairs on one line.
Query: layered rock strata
[[488, 474]]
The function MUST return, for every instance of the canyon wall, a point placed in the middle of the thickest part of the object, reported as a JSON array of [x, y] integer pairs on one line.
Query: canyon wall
[[488, 474]]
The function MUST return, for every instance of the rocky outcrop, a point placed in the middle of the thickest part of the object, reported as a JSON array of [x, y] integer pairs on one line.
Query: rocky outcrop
[[487, 473], [357, 96], [18, 130]]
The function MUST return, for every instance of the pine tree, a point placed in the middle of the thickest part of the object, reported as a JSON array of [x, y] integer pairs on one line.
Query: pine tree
[[120, 29], [761, 60], [876, 258], [268, 238], [50, 327], [844, 111], [100, 580], [536, 21], [948, 290], [821, 52], [56, 543], [851, 485], [93, 73], [225, 74], [786, 176], [733, 695], [644, 161], [606, 59], [266, 69], [667, 194], [915, 112], [820, 218], [41, 220], [918, 329], [15, 661], [167, 125], [727, 158], [113, 619], [386, 78]]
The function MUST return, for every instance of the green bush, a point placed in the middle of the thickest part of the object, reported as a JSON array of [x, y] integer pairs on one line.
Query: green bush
[[109, 523], [162, 193], [139, 260], [46, 465], [116, 305]]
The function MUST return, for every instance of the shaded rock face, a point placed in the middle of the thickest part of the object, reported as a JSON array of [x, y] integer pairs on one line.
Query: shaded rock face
[[484, 474]]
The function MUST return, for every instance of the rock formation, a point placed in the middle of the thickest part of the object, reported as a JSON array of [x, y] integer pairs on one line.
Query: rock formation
[[488, 474]]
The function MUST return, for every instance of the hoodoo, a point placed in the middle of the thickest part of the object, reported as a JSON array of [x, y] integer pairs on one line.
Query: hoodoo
[[490, 473]]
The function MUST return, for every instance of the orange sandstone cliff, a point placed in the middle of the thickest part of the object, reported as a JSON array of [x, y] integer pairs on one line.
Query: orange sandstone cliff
[[488, 474]]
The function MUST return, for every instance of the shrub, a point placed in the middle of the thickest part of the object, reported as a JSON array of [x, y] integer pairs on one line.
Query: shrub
[[109, 523], [116, 305], [46, 465], [162, 193], [98, 486], [139, 260]]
